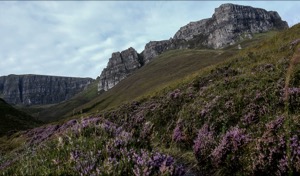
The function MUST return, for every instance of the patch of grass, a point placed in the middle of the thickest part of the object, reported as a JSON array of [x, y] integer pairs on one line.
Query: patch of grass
[[13, 120], [59, 111]]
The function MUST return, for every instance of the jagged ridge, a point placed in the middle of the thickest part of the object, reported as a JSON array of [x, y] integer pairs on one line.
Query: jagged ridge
[[229, 24]]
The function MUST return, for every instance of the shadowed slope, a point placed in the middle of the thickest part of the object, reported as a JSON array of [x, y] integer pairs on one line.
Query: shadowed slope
[[12, 120]]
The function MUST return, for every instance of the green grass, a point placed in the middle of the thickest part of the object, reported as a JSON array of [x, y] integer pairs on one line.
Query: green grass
[[170, 67], [13, 120], [237, 101], [58, 111]]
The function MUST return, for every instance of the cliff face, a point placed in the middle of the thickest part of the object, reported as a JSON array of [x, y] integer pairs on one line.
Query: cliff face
[[39, 89], [229, 24], [120, 65]]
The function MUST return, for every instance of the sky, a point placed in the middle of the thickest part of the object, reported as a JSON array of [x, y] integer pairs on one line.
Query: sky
[[77, 38]]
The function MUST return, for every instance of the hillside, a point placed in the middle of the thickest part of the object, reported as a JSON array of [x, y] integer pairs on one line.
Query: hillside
[[229, 24], [237, 117], [60, 110], [14, 120], [169, 67]]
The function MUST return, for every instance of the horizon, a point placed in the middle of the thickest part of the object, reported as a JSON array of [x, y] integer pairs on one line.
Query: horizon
[[51, 38]]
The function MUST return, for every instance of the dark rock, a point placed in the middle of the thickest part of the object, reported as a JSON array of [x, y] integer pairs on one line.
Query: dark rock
[[231, 23], [39, 89], [120, 65]]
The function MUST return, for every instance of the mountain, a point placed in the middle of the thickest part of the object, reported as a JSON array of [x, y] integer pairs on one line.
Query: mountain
[[40, 89], [120, 65], [169, 67], [12, 120], [229, 24], [237, 117]]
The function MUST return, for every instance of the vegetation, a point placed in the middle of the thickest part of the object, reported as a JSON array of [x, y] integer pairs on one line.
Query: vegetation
[[13, 120], [237, 117], [170, 67]]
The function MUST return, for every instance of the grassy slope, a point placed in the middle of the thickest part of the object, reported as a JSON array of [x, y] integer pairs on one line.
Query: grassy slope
[[57, 111], [14, 120], [169, 67], [231, 111]]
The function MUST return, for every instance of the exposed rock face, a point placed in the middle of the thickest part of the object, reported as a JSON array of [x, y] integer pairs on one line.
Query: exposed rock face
[[229, 24], [39, 89], [120, 65], [155, 48]]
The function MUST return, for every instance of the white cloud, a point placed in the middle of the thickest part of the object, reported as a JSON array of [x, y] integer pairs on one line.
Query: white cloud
[[77, 38]]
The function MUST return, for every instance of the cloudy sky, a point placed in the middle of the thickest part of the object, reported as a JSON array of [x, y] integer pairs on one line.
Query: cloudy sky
[[74, 38]]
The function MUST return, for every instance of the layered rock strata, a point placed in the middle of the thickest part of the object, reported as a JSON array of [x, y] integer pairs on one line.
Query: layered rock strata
[[40, 89]]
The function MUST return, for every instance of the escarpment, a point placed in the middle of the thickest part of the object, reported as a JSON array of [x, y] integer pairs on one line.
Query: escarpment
[[229, 24], [40, 89]]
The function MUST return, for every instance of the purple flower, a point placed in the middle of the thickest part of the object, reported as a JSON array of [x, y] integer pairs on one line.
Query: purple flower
[[275, 124], [204, 143], [175, 94], [178, 135], [230, 143]]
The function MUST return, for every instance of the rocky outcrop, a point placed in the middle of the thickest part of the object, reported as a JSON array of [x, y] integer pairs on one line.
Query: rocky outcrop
[[155, 48], [120, 65], [230, 23], [39, 89]]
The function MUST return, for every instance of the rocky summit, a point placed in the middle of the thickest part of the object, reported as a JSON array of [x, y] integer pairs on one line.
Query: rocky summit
[[229, 24], [120, 65], [39, 89]]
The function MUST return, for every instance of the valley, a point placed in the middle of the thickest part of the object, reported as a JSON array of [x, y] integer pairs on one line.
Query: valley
[[191, 105]]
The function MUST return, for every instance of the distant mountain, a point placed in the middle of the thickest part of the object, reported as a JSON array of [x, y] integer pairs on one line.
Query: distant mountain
[[40, 89], [12, 120], [229, 24]]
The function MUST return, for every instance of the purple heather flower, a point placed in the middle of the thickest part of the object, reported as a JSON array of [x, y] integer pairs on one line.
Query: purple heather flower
[[178, 135], [230, 143], [275, 124], [204, 143], [175, 94]]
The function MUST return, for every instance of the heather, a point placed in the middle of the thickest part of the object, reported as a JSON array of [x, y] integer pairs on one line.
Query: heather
[[239, 117], [92, 146]]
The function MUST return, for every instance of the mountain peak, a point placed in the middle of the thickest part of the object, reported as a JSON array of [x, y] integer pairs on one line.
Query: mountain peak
[[229, 24]]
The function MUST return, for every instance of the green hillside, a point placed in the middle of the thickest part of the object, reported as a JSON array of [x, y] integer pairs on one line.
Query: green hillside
[[12, 120], [237, 117], [169, 67], [58, 111]]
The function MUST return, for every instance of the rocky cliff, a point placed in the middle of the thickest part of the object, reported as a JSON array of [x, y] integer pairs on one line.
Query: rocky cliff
[[39, 89], [229, 24], [120, 65]]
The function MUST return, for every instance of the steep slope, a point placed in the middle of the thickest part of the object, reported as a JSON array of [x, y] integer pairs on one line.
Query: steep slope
[[12, 120], [238, 117], [228, 25], [61, 110], [40, 89], [169, 67]]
